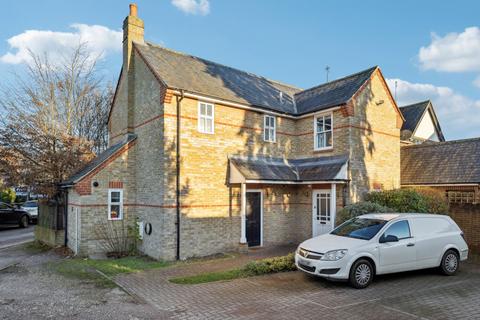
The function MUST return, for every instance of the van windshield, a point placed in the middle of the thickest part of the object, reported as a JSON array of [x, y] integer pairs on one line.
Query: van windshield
[[359, 228]]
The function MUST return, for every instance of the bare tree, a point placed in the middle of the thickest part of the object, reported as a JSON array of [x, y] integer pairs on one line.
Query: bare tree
[[52, 120]]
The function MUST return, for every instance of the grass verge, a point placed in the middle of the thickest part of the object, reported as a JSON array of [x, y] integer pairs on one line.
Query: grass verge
[[253, 268], [86, 269], [36, 247]]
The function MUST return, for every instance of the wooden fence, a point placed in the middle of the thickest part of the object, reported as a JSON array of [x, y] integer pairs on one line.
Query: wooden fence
[[50, 226], [50, 215]]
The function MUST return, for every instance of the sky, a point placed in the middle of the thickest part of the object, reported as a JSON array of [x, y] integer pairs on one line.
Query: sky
[[431, 49]]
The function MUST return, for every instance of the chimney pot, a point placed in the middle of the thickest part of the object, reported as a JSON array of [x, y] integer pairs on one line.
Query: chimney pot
[[133, 9]]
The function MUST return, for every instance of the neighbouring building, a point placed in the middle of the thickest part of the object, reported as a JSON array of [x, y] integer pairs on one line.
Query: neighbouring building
[[208, 158]]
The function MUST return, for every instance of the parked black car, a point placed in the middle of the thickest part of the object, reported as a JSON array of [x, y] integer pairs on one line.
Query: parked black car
[[10, 214]]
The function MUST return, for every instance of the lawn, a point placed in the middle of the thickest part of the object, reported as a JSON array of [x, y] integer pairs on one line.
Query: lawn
[[99, 271]]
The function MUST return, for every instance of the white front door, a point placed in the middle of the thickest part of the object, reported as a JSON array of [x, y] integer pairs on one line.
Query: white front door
[[323, 216]]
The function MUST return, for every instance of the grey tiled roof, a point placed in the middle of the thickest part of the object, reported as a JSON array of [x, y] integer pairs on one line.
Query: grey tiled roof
[[413, 114], [98, 160], [197, 75], [276, 169], [332, 93], [452, 162], [182, 71]]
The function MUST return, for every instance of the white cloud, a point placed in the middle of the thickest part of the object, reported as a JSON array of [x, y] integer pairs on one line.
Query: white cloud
[[98, 40], [476, 82], [455, 52], [201, 7], [458, 114]]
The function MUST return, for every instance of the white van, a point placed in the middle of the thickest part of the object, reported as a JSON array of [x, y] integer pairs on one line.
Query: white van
[[374, 244]]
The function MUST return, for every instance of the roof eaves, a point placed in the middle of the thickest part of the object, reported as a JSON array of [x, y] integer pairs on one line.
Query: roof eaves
[[69, 182]]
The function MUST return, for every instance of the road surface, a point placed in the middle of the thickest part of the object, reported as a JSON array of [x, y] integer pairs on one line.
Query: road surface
[[12, 235]]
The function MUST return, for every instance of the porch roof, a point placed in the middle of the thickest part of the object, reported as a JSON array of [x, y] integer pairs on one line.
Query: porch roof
[[263, 169]]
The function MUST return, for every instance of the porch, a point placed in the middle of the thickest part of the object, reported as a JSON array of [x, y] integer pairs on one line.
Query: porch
[[288, 201]]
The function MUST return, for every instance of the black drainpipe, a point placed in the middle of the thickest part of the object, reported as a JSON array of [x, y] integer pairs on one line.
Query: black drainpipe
[[177, 222], [65, 219]]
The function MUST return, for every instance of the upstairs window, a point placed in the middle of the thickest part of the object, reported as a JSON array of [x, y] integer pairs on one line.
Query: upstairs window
[[269, 128], [323, 132], [205, 117], [115, 204]]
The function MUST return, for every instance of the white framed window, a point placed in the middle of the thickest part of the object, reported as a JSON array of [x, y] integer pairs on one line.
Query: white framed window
[[206, 117], [323, 124], [269, 128], [115, 204]]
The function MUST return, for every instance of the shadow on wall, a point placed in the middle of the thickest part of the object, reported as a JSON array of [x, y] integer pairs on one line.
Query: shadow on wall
[[362, 145]]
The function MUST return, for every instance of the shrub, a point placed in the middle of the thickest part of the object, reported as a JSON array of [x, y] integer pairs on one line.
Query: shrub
[[359, 208], [7, 195], [271, 265], [410, 200], [436, 200]]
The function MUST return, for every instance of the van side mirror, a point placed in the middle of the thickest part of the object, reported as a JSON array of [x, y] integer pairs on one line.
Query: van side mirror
[[389, 238]]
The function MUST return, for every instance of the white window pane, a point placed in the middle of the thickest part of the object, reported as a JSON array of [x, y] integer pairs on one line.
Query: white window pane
[[208, 125], [202, 109], [115, 211], [328, 123], [272, 134], [267, 135], [321, 140], [320, 127], [209, 110], [115, 196], [328, 139]]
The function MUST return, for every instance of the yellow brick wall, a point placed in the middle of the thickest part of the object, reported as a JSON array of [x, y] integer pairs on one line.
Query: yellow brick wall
[[119, 113], [375, 141], [210, 220]]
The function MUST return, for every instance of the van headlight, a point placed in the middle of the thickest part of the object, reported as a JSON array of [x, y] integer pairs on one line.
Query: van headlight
[[334, 255]]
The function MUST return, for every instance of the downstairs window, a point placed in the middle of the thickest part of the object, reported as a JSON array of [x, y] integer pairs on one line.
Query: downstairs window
[[115, 204]]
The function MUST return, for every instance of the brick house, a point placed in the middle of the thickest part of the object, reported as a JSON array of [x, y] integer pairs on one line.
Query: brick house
[[209, 158]]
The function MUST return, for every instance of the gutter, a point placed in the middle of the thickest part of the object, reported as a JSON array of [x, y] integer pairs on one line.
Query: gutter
[[252, 108], [177, 165]]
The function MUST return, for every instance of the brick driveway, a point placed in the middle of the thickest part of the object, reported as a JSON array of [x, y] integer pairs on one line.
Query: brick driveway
[[414, 295]]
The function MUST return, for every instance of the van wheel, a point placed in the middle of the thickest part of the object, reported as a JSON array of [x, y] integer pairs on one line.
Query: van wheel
[[361, 274], [450, 263], [23, 222]]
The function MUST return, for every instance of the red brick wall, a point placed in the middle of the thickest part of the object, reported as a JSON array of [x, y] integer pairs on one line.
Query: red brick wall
[[467, 216]]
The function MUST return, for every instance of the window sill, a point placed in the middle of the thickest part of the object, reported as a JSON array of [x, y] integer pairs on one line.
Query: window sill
[[211, 133], [115, 219], [323, 150]]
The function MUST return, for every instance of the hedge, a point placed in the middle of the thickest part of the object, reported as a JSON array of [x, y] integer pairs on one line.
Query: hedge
[[425, 200], [359, 208]]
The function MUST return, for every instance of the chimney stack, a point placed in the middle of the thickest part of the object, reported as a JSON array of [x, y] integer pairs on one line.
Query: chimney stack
[[133, 30], [133, 9]]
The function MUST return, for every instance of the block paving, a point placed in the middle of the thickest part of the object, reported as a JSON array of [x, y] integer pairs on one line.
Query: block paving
[[414, 295]]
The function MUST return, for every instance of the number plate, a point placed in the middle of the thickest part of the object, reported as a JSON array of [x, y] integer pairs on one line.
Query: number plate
[[304, 261]]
